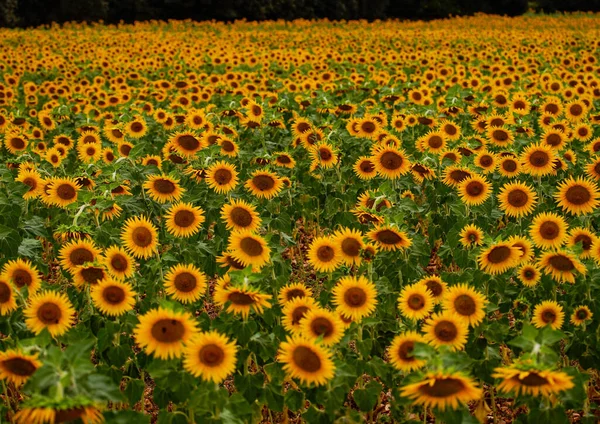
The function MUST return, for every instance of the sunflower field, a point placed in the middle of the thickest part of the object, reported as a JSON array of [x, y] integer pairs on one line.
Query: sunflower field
[[306, 221]]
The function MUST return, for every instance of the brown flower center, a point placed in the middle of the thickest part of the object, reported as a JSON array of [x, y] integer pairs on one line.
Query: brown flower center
[[532, 379], [164, 186], [5, 292], [561, 263], [509, 165], [92, 274], [435, 141], [184, 218], [136, 127], [499, 254], [539, 159], [368, 167], [306, 359], [416, 302], [355, 297], [113, 295], [548, 316], [294, 293], [474, 188], [17, 143], [442, 387], [465, 305], [585, 240], [500, 135], [351, 246], [368, 127], [388, 237], [576, 110], [22, 278], [188, 142], [19, 366], [458, 175], [549, 230], [81, 255], [321, 326], [251, 246], [49, 313], [241, 217], [185, 282], [241, 299], [66, 192], [142, 237], [391, 160], [517, 198], [446, 331], [168, 330], [211, 355], [325, 253], [325, 154], [223, 176], [554, 139], [434, 287], [405, 351], [119, 262], [578, 195], [263, 182], [486, 161]]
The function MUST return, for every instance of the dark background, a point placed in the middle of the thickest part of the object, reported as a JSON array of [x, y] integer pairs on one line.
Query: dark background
[[25, 13]]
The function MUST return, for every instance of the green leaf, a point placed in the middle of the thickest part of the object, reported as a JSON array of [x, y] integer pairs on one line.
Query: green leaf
[[366, 399], [126, 417], [134, 391], [30, 248], [294, 400]]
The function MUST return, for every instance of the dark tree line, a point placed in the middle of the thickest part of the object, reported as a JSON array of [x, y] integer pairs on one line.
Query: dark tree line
[[26, 13]]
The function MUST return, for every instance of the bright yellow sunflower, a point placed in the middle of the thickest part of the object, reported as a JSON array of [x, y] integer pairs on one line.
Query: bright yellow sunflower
[[292, 291], [210, 356], [355, 297], [529, 274], [89, 275], [415, 301], [499, 258], [240, 215], [580, 315], [113, 297], [583, 237], [401, 351], [471, 235], [221, 177], [118, 262], [389, 238], [474, 190], [49, 310], [548, 230], [76, 253], [164, 333], [185, 283], [443, 389], [163, 188], [306, 360], [294, 311], [63, 192], [184, 219], [364, 168], [390, 162], [140, 237], [33, 180], [525, 378], [8, 301], [537, 160], [22, 273], [446, 329], [241, 300], [578, 196], [466, 302], [16, 367], [264, 184], [561, 265], [249, 248], [322, 325], [550, 313], [350, 244], [324, 254], [517, 199]]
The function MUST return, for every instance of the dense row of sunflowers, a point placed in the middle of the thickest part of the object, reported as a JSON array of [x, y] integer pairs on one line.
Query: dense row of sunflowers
[[250, 221]]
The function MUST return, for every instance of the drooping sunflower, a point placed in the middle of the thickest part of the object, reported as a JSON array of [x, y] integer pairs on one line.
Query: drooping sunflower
[[548, 230], [435, 285], [49, 310], [537, 160], [466, 302], [365, 169], [164, 332], [228, 261], [240, 215], [306, 360], [526, 378], [88, 275], [390, 162], [8, 302], [517, 199], [76, 253], [221, 177], [163, 188], [561, 265], [401, 350], [33, 180], [292, 291], [550, 313], [16, 367], [580, 315], [294, 311], [443, 389], [578, 196], [66, 410], [499, 258], [446, 329], [241, 300], [185, 283], [355, 297], [415, 301], [249, 248], [454, 176], [321, 324], [474, 190], [324, 254], [22, 273], [140, 237], [184, 219], [529, 274], [118, 262], [63, 192], [585, 238], [350, 243], [113, 297], [389, 238], [471, 235], [210, 356], [264, 184]]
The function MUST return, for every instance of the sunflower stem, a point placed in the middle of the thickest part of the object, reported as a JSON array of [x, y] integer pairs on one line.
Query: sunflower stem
[[6, 397], [493, 400]]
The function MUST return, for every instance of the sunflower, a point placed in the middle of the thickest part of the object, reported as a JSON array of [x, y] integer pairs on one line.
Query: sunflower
[[249, 248], [152, 160], [350, 245], [15, 143], [140, 237], [241, 300], [583, 236], [355, 297], [49, 310], [509, 167], [415, 301], [210, 356], [16, 367], [526, 253], [322, 325], [580, 315], [118, 262], [433, 141], [388, 238], [89, 153], [306, 360], [163, 188], [517, 199], [486, 160], [164, 332], [284, 160], [553, 138], [187, 144], [227, 260], [499, 136], [364, 168], [529, 274], [221, 177], [474, 190], [239, 215], [8, 302], [390, 162], [324, 254], [471, 235], [293, 291], [294, 311], [264, 184], [77, 410], [537, 160], [88, 275], [466, 302], [498, 258], [435, 285], [526, 379], [63, 192], [446, 329], [76, 253], [401, 350], [184, 219], [454, 176], [22, 273], [561, 265], [136, 128], [576, 111], [442, 389], [185, 283], [548, 313], [113, 297], [53, 157], [324, 155], [578, 196], [548, 230], [593, 169], [33, 180]]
